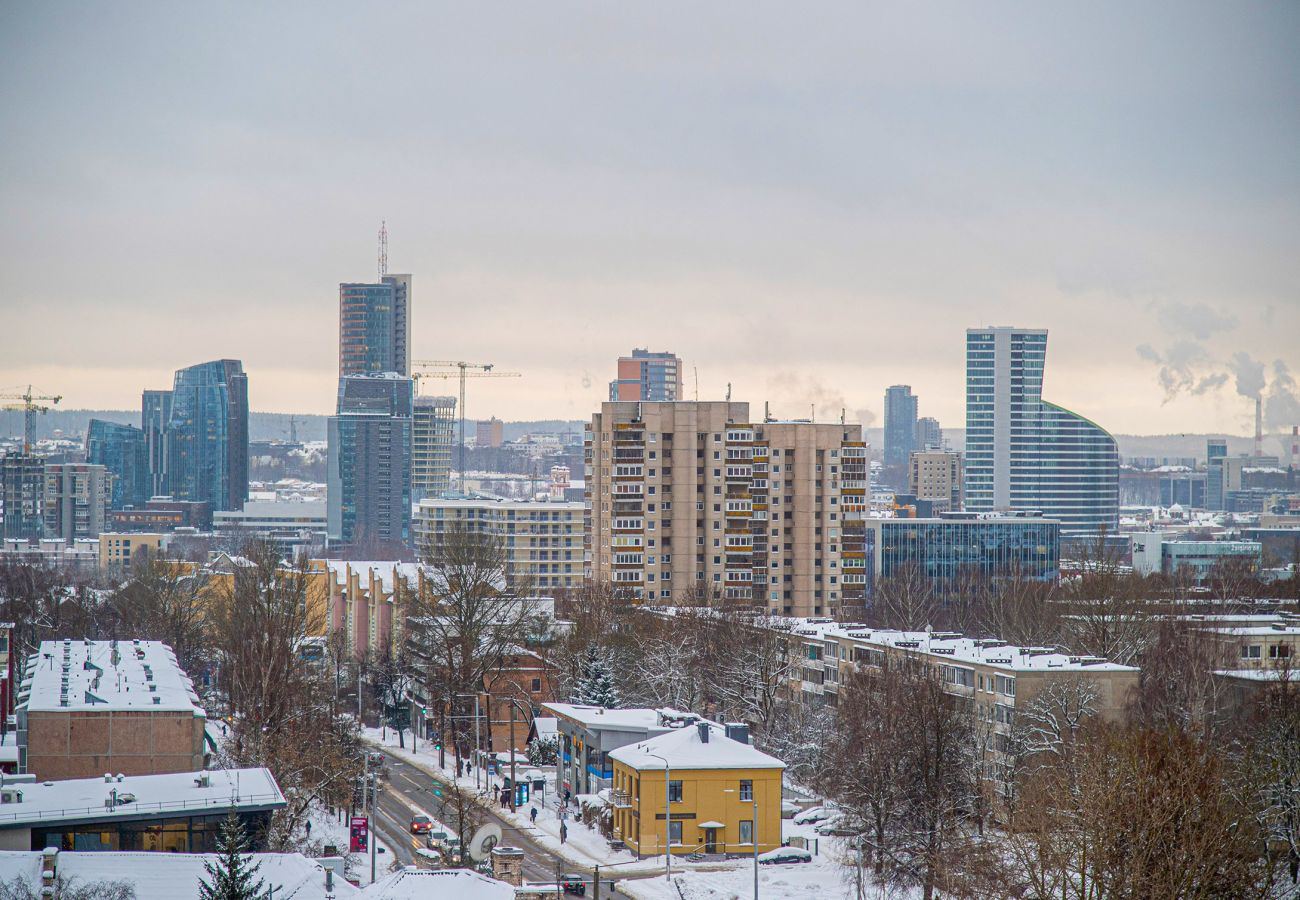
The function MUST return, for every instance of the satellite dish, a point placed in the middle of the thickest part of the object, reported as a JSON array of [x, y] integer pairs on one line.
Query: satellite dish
[[487, 837]]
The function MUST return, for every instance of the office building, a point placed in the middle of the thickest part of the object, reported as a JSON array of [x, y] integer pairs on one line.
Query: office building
[[76, 500], [116, 548], [647, 376], [1216, 450], [1024, 453], [375, 327], [935, 475], [124, 452], [90, 707], [542, 540], [207, 435], [490, 433], [691, 498], [155, 411], [949, 550], [433, 435], [900, 424], [369, 469], [22, 481], [163, 514], [1162, 553], [929, 436], [293, 527]]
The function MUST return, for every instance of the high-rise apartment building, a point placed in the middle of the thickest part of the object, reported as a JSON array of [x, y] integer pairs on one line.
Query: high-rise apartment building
[[692, 498], [489, 433], [935, 475], [155, 411], [929, 436], [22, 483], [1024, 453], [369, 470], [375, 326], [207, 435], [433, 433], [124, 452], [647, 376], [900, 424], [76, 500]]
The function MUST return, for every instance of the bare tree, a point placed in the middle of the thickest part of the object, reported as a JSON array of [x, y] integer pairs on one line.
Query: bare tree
[[905, 600], [160, 602]]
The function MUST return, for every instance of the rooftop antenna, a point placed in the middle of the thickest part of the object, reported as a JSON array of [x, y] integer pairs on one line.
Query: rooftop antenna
[[728, 391], [383, 249], [696, 370]]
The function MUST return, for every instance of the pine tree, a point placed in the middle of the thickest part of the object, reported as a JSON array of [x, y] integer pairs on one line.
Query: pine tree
[[231, 873], [596, 686]]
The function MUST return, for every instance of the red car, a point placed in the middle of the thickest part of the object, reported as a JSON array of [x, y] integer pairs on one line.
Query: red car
[[421, 825]]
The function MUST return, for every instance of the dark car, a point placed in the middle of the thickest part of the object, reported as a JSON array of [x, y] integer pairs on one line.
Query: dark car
[[784, 856], [574, 884], [421, 825]]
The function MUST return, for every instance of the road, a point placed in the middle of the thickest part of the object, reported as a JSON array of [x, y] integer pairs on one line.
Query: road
[[408, 791]]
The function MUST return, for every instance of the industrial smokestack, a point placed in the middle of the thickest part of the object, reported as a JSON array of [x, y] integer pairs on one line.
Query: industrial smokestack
[[1295, 447], [1259, 427]]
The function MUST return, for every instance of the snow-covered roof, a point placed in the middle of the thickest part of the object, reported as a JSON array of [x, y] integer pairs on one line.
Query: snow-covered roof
[[599, 717], [180, 793], [173, 876], [385, 571], [411, 883], [106, 675], [546, 726], [685, 749], [1258, 674]]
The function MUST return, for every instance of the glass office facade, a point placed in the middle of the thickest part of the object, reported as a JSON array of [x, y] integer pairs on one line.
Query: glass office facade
[[374, 327], [1024, 453], [946, 552], [122, 450], [900, 424], [369, 473], [155, 410], [207, 435]]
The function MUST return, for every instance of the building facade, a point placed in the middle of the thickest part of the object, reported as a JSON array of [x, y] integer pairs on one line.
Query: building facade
[[22, 482], [900, 424], [1161, 553], [691, 498], [369, 469], [489, 433], [433, 437], [647, 376], [935, 475], [375, 327], [948, 551], [207, 435], [123, 451], [1024, 453], [542, 540], [929, 436], [155, 412], [76, 500]]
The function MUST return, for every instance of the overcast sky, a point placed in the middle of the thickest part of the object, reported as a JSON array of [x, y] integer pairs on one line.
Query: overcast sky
[[810, 201]]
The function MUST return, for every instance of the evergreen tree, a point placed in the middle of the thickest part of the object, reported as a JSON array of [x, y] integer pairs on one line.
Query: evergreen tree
[[231, 875], [596, 686]]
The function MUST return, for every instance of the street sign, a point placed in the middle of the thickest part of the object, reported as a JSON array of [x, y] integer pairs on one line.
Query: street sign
[[360, 835]]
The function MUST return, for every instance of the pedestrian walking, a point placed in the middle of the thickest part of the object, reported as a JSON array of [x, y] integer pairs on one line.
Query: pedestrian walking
[[532, 814], [564, 832]]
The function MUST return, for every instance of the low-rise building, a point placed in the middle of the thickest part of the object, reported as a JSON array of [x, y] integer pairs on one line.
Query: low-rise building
[[89, 707], [1159, 552], [119, 548], [701, 788], [588, 734], [163, 514], [293, 526]]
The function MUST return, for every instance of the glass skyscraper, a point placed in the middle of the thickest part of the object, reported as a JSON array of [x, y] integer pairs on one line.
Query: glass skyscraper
[[900, 424], [375, 327], [121, 449], [369, 474], [155, 410], [1023, 452], [207, 435]]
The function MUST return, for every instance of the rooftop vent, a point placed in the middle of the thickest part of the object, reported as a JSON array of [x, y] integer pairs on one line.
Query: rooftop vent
[[704, 731]]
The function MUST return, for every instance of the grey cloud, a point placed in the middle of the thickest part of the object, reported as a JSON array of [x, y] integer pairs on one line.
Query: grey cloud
[[1196, 319], [1249, 374], [1281, 405]]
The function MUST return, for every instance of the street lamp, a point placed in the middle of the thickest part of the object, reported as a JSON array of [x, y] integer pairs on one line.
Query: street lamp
[[668, 818], [753, 834]]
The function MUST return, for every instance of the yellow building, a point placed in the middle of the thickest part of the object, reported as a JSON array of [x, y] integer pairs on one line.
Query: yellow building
[[115, 547], [719, 788]]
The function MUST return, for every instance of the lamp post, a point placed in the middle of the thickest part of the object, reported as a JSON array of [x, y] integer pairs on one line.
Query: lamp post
[[514, 785], [668, 818], [753, 834]]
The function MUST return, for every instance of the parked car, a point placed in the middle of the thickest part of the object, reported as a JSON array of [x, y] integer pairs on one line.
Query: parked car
[[574, 884], [836, 826], [421, 825], [783, 856], [812, 816]]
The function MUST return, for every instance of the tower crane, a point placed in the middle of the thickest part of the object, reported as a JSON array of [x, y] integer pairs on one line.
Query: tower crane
[[458, 369], [30, 407]]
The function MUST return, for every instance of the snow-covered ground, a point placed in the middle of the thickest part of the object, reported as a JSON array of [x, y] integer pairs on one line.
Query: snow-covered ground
[[329, 830]]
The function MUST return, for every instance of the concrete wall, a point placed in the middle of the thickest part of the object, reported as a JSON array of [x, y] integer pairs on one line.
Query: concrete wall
[[86, 744]]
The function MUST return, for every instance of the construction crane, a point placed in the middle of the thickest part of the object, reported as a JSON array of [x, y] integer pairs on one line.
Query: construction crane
[[462, 370], [30, 407]]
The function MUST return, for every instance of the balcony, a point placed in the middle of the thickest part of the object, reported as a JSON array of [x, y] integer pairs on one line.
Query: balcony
[[620, 799]]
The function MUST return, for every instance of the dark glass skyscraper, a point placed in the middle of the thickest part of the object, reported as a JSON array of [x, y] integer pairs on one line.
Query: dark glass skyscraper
[[155, 410], [121, 449], [900, 424], [207, 435], [1023, 452], [369, 477], [375, 327]]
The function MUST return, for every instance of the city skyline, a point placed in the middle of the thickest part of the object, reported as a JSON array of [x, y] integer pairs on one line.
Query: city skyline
[[897, 173]]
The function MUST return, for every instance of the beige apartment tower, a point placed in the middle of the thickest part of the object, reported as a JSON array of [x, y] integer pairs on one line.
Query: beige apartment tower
[[692, 498], [935, 475]]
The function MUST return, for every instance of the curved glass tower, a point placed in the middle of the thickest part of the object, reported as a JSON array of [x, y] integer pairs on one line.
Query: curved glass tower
[[1023, 452], [207, 434]]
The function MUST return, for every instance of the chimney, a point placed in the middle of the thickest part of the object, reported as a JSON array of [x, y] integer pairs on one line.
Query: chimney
[[49, 869], [738, 731], [508, 865], [1295, 447], [1259, 427], [704, 731]]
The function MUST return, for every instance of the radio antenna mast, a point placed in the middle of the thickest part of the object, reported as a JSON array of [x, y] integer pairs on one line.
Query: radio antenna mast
[[383, 249]]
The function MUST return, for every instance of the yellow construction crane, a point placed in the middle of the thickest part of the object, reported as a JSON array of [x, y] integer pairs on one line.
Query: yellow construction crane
[[452, 368], [29, 408]]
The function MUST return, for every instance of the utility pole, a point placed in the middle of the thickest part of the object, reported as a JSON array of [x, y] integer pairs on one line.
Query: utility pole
[[668, 818], [514, 784]]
